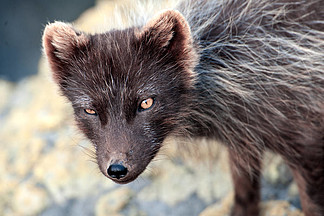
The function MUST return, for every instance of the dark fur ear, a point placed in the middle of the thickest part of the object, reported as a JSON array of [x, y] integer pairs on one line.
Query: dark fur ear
[[170, 31], [60, 41]]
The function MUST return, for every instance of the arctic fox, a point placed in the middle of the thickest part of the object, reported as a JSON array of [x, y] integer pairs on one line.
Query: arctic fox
[[248, 73]]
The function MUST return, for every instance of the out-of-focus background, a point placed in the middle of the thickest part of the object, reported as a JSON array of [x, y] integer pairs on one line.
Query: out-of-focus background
[[46, 165]]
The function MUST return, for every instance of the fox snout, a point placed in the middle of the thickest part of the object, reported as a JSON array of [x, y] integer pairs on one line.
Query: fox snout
[[117, 171], [115, 166], [123, 165]]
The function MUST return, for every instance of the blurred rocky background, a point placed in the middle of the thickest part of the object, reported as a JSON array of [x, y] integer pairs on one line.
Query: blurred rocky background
[[47, 167]]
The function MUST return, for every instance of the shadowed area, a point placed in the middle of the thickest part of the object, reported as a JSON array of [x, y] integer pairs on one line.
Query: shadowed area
[[21, 26]]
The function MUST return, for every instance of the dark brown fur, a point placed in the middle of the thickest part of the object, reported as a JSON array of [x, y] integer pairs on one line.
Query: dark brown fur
[[247, 73]]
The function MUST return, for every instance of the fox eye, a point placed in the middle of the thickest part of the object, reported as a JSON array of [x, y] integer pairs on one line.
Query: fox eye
[[90, 112], [146, 104]]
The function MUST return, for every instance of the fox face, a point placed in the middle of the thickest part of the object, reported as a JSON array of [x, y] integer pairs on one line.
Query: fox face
[[129, 88]]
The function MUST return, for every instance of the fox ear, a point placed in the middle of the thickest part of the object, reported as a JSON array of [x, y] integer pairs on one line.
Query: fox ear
[[169, 30], [60, 42]]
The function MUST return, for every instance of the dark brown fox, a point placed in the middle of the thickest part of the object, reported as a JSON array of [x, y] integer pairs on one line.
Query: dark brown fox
[[249, 74]]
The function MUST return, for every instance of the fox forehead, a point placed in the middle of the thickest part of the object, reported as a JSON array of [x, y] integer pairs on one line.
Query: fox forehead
[[107, 81], [116, 60]]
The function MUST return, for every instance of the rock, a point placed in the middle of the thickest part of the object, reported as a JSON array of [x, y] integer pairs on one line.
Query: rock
[[279, 208], [5, 92], [29, 199], [293, 190], [175, 183], [113, 202], [276, 171], [25, 155], [114, 14], [219, 209], [67, 172], [268, 208], [177, 180]]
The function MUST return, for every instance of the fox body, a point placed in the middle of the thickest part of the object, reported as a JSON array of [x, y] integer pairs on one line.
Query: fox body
[[249, 74]]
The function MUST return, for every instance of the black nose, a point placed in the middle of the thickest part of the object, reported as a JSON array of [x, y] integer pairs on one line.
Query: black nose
[[117, 171]]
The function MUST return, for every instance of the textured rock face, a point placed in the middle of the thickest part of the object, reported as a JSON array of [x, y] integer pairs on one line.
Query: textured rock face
[[46, 167], [268, 208]]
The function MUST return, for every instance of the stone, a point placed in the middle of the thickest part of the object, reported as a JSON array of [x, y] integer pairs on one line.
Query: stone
[[293, 190], [29, 199], [174, 184], [222, 208], [177, 180], [267, 208], [276, 171], [193, 167], [67, 172], [113, 202], [5, 92], [279, 208], [114, 14]]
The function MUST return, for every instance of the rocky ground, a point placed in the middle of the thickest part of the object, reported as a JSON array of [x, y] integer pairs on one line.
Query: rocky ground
[[47, 166]]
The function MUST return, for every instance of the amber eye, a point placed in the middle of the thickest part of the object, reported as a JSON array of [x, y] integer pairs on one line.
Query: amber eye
[[90, 111], [146, 104]]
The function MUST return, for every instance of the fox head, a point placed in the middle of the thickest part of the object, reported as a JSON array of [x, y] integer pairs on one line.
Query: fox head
[[129, 88]]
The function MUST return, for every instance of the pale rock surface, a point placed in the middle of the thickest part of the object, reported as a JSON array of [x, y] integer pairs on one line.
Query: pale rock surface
[[28, 199], [112, 203], [268, 208]]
